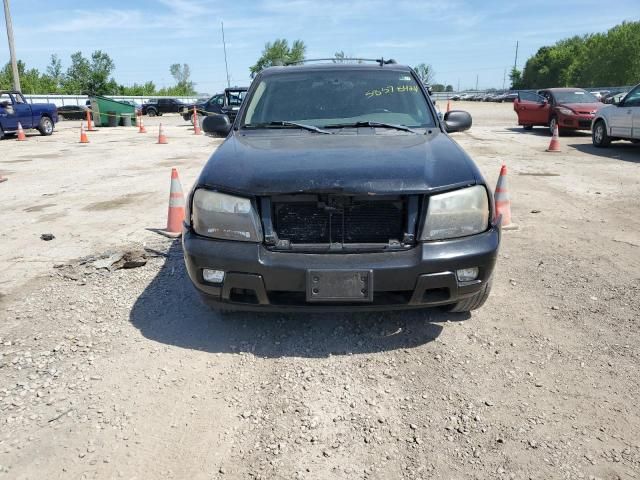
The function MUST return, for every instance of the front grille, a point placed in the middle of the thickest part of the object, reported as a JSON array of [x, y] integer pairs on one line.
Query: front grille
[[339, 220], [584, 123]]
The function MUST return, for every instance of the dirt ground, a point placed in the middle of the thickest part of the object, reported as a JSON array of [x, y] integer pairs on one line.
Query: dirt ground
[[124, 374]]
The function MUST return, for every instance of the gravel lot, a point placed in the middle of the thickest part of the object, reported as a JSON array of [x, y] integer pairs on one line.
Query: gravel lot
[[123, 373]]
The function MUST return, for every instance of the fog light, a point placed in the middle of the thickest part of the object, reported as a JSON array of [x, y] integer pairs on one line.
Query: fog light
[[467, 274], [212, 276]]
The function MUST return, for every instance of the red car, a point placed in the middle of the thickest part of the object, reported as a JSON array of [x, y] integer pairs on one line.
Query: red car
[[568, 108]]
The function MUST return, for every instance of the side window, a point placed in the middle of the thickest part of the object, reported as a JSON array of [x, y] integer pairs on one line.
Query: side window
[[219, 101], [5, 99], [632, 99], [18, 98], [530, 97]]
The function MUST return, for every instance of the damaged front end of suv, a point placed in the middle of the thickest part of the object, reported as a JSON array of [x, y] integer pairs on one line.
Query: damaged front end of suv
[[338, 188]]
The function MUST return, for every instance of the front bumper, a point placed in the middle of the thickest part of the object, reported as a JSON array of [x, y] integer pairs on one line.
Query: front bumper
[[575, 122], [259, 279]]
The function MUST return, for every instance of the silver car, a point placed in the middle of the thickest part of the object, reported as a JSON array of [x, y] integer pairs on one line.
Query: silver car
[[620, 121]]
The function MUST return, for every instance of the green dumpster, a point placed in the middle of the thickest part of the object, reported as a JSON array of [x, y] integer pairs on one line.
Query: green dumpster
[[103, 107]]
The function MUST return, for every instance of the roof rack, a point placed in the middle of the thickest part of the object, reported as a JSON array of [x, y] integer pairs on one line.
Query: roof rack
[[379, 61]]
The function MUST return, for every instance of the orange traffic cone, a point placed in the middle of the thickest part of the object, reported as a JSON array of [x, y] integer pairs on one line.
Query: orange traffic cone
[[21, 136], [89, 126], [141, 128], [161, 137], [503, 202], [196, 124], [175, 216], [554, 144], [448, 105], [83, 134]]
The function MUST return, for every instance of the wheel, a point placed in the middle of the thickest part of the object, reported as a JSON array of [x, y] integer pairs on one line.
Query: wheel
[[528, 127], [599, 135], [472, 303], [45, 127], [553, 123], [152, 112], [1, 133]]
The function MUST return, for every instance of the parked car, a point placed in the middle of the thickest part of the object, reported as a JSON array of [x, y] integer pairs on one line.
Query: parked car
[[226, 103], [620, 121], [614, 97], [72, 112], [455, 97], [600, 94], [510, 97], [162, 105], [337, 187], [567, 108], [466, 96], [14, 109]]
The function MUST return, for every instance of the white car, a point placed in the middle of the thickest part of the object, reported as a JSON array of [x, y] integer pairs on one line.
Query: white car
[[618, 122]]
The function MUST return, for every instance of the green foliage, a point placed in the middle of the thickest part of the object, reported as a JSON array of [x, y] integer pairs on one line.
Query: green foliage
[[448, 88], [425, 73], [90, 75], [182, 75], [602, 59], [279, 53], [515, 76], [437, 87]]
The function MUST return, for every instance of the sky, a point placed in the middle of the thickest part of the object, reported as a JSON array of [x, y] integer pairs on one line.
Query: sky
[[462, 40]]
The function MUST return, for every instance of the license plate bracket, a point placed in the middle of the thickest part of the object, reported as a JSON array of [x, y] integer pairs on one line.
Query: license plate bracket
[[339, 285]]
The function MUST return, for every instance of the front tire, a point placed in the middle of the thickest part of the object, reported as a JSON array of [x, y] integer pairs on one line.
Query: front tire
[[474, 302], [45, 127], [599, 136], [152, 112]]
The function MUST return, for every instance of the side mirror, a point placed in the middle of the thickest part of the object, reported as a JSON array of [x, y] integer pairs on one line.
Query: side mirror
[[457, 121], [216, 125]]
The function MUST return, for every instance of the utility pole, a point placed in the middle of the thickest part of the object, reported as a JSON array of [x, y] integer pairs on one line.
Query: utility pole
[[504, 78], [458, 86], [12, 48], [224, 46], [476, 82], [515, 62]]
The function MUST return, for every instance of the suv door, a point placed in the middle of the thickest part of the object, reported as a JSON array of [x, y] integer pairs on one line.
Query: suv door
[[630, 113], [532, 109], [163, 105]]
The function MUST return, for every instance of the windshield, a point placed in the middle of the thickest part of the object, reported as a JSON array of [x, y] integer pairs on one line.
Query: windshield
[[235, 98], [575, 97], [337, 97]]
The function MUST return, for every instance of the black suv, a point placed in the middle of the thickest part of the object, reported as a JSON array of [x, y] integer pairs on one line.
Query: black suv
[[338, 188], [227, 103], [163, 105]]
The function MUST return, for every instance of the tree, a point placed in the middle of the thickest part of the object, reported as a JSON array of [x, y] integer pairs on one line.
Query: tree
[[437, 87], [279, 53], [449, 88], [182, 76], [516, 78], [425, 72], [602, 59]]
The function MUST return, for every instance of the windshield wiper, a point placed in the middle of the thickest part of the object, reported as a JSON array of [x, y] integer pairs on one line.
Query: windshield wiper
[[373, 124], [311, 128]]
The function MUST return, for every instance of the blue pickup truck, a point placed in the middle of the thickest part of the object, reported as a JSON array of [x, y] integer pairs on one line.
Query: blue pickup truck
[[14, 108]]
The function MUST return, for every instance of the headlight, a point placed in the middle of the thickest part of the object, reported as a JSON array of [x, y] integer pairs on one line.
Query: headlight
[[219, 215], [566, 111], [456, 214]]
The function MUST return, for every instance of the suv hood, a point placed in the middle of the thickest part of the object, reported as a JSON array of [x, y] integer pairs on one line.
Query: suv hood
[[272, 162]]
